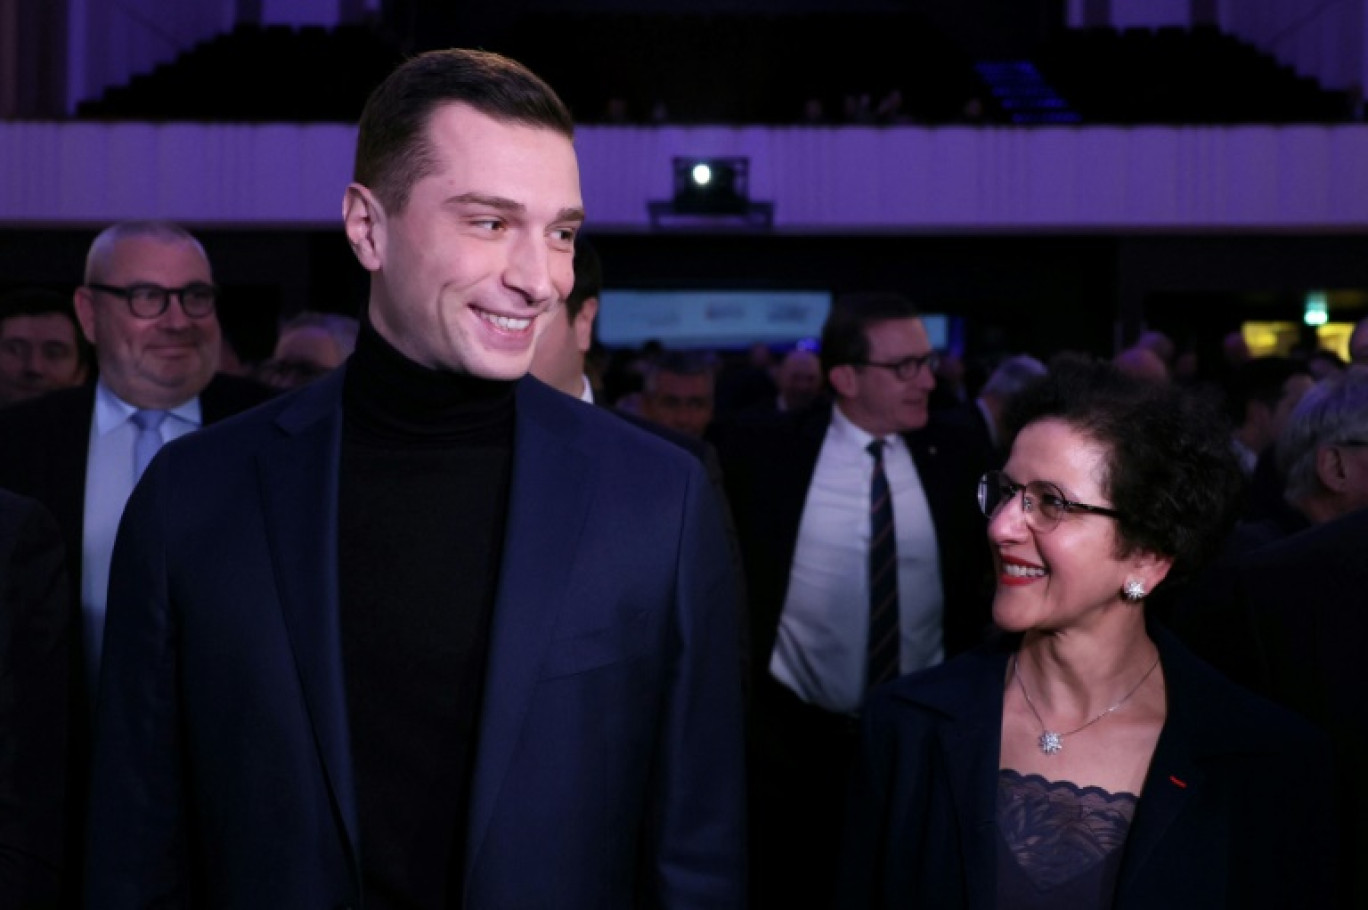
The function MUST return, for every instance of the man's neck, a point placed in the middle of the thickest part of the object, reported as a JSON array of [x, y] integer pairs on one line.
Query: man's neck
[[860, 422], [1318, 508], [142, 404]]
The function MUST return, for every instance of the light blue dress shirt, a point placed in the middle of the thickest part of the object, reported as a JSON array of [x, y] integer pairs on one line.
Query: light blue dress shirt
[[109, 482]]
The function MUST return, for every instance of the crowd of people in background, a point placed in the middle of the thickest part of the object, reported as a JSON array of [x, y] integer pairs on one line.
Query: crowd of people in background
[[1296, 427], [1018, 558]]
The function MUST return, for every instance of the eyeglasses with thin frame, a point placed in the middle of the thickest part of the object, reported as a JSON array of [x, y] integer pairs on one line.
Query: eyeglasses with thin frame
[[907, 368], [148, 301], [1043, 503]]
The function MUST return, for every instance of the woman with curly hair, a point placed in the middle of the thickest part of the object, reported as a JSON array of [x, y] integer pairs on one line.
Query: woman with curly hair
[[1085, 759]]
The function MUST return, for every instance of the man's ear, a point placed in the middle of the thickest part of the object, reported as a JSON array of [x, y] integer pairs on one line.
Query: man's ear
[[363, 218], [843, 380], [583, 326], [84, 301], [1330, 469]]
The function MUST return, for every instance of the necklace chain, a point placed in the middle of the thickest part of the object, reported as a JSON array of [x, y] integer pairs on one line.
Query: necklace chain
[[1051, 742]]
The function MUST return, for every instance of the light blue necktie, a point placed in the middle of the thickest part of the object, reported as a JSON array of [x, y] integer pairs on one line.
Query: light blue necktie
[[149, 439]]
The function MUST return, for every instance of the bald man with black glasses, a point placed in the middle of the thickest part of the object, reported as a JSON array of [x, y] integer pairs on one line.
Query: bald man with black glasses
[[149, 306]]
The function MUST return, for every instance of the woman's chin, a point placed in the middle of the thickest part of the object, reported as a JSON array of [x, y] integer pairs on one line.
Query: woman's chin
[[1010, 614]]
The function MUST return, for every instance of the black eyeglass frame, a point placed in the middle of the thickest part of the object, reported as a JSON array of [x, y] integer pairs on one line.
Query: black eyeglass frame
[[129, 294], [909, 367], [1062, 504]]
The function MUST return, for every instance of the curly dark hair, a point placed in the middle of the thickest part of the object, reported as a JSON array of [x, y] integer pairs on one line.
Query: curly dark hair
[[1171, 471]]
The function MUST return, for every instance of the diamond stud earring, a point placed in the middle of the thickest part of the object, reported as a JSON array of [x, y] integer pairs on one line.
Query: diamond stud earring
[[1133, 591]]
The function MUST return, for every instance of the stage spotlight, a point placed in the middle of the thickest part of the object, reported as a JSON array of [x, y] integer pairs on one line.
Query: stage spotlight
[[711, 194], [711, 186]]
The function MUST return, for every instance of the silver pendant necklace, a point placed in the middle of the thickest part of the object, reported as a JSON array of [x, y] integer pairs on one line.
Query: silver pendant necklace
[[1051, 742]]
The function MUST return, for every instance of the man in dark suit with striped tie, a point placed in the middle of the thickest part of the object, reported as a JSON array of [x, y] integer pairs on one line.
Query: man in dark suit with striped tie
[[863, 557]]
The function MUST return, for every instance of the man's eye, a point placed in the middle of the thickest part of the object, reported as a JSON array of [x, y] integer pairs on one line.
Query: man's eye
[[489, 224]]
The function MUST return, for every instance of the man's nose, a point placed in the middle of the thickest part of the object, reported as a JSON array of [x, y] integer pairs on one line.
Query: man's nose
[[175, 316], [528, 270]]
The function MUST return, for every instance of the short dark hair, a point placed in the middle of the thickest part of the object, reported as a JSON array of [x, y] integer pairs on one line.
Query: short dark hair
[[588, 276], [45, 302], [1171, 472], [392, 152], [680, 363], [36, 302], [845, 335]]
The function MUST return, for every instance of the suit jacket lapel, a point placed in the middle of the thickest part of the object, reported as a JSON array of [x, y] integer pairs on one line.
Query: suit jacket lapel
[[70, 453], [970, 747], [1175, 775], [548, 505], [790, 472], [971, 756], [298, 474], [926, 455]]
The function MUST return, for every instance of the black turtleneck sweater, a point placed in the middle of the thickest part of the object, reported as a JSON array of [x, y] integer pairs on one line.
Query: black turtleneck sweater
[[426, 459]]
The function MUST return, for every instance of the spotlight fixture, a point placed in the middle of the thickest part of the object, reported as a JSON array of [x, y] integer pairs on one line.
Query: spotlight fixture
[[711, 186], [713, 193]]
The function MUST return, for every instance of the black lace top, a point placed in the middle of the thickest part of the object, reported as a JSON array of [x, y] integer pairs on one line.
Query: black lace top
[[1059, 844]]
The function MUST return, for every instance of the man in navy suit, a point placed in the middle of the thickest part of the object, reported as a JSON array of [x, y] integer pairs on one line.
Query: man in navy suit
[[432, 633]]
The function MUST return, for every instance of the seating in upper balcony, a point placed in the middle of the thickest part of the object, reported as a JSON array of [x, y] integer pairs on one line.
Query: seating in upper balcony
[[812, 69]]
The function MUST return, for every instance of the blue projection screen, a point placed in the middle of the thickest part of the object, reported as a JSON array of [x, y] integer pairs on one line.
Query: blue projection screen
[[723, 319], [710, 319]]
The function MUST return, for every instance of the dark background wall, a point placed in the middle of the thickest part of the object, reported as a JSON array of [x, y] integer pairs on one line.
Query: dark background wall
[[1035, 293]]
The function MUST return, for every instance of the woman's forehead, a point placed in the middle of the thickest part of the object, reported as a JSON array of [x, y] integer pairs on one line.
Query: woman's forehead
[[1054, 451]]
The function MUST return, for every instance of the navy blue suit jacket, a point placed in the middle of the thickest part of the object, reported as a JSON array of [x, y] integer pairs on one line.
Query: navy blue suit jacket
[[608, 770], [1236, 809], [46, 443]]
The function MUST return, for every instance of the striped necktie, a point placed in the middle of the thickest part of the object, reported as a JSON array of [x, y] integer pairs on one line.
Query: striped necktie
[[883, 576]]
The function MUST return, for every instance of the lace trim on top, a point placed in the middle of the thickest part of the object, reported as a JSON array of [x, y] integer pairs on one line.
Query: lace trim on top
[[1057, 830]]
